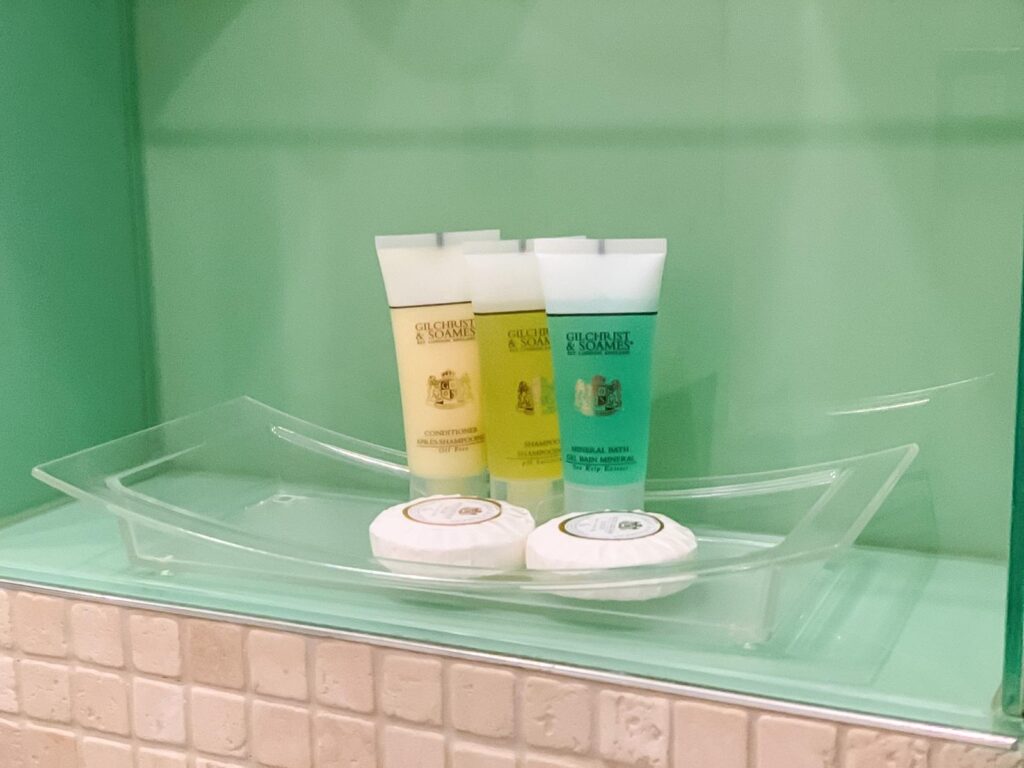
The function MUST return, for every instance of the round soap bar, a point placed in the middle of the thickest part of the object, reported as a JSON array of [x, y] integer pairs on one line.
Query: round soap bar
[[612, 539], [465, 531]]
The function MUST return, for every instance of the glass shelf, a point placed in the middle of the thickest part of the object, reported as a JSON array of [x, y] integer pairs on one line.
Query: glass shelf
[[883, 628], [243, 489]]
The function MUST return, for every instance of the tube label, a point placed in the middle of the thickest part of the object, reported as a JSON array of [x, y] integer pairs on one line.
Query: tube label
[[439, 378], [519, 395], [603, 374]]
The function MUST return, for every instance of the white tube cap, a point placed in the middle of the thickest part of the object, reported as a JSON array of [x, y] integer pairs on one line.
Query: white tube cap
[[597, 498], [533, 495], [474, 485]]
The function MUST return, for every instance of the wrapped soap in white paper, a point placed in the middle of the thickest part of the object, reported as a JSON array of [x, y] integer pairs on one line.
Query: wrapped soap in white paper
[[611, 539], [463, 531]]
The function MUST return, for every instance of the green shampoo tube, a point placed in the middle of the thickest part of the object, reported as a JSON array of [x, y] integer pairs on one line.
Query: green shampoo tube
[[601, 299]]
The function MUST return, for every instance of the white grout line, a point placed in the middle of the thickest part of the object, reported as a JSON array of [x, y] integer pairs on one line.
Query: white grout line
[[719, 696]]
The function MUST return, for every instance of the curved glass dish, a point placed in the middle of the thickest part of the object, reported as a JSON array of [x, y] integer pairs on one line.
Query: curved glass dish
[[243, 487]]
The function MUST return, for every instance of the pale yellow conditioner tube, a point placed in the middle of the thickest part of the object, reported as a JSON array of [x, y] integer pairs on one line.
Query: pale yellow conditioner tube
[[438, 360]]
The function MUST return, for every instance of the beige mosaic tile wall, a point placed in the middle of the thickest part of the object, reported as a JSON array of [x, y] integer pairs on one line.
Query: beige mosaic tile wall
[[90, 685]]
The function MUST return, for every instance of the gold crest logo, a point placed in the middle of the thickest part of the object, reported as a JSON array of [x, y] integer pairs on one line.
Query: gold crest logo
[[524, 398], [598, 397], [535, 396], [449, 390]]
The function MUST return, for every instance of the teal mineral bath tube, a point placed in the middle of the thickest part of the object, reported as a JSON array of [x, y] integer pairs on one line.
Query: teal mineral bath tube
[[602, 302]]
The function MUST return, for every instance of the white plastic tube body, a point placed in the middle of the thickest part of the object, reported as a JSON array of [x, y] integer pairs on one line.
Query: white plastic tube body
[[602, 302], [438, 361]]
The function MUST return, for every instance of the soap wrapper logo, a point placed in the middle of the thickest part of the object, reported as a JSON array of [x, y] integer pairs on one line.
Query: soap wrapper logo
[[612, 525], [454, 510], [449, 390], [598, 397], [536, 396], [598, 343], [445, 330]]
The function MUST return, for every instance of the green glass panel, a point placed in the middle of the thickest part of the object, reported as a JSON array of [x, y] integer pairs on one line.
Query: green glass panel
[[840, 185], [73, 319]]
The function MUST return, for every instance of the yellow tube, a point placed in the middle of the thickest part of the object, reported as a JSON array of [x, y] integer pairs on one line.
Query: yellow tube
[[523, 451], [519, 395]]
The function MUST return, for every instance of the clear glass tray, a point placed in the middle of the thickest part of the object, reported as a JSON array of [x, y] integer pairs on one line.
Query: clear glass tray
[[244, 488]]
